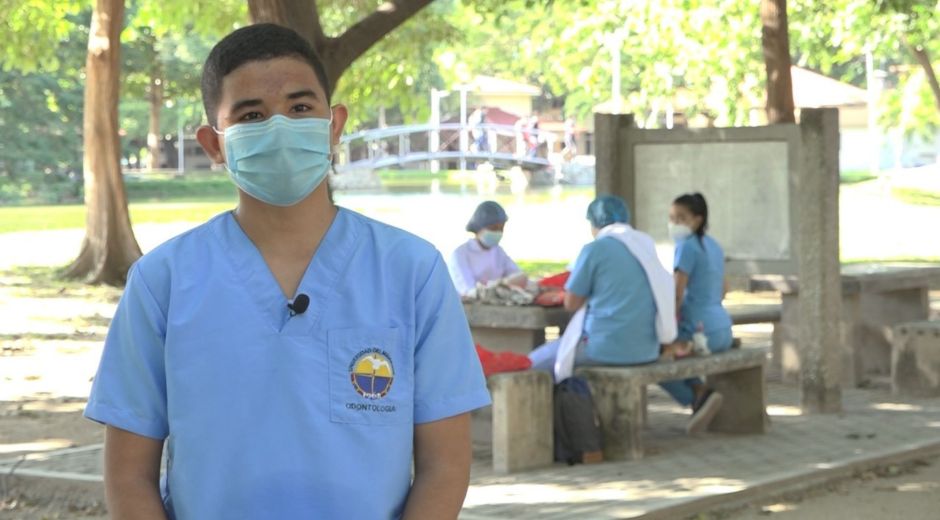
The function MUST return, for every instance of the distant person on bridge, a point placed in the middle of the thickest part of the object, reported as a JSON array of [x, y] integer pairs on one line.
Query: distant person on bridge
[[481, 259], [481, 141], [531, 136], [571, 145]]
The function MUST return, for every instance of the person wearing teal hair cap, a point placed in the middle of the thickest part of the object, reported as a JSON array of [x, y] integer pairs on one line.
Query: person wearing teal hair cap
[[481, 259], [606, 210], [622, 299]]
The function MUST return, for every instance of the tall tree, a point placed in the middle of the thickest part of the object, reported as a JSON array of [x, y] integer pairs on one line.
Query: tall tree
[[109, 247], [337, 52], [775, 40]]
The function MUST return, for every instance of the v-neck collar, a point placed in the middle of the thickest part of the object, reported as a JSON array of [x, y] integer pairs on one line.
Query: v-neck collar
[[319, 280]]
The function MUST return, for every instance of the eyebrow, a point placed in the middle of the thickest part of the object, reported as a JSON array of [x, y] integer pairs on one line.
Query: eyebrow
[[244, 103], [303, 93]]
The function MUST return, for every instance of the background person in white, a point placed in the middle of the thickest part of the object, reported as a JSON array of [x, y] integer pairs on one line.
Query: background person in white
[[481, 259]]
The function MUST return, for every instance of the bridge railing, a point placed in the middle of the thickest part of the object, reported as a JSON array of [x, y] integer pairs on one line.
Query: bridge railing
[[400, 145]]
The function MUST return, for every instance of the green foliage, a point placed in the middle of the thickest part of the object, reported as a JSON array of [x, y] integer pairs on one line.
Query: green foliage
[[34, 31], [41, 109], [397, 73], [705, 52], [834, 36]]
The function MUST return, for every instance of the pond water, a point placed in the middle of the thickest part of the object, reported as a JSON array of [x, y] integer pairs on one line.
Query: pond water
[[545, 223]]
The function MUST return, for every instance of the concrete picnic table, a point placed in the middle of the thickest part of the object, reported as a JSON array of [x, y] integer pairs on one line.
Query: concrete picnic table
[[516, 328], [875, 297], [522, 328]]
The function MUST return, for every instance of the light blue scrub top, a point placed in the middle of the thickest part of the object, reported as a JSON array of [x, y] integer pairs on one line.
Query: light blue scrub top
[[704, 263], [620, 325], [271, 416]]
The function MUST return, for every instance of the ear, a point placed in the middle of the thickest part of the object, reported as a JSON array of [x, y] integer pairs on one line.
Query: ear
[[340, 115], [210, 142]]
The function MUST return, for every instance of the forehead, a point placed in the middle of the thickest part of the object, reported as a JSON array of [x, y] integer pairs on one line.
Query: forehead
[[268, 80]]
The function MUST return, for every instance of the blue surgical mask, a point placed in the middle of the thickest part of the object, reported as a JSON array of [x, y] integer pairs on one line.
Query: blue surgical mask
[[490, 239], [279, 161]]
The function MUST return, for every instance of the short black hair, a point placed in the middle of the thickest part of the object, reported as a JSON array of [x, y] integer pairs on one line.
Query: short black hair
[[263, 41]]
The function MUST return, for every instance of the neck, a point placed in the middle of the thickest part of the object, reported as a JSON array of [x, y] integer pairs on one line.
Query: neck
[[298, 227]]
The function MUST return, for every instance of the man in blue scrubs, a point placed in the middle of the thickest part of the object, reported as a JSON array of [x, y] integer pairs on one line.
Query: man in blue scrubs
[[295, 358]]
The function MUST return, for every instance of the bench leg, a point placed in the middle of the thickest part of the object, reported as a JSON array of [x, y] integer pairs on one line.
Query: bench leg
[[744, 408], [523, 435], [621, 410]]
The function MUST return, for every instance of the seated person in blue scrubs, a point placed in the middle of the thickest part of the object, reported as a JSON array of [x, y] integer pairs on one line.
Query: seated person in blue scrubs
[[700, 286], [294, 358], [699, 273], [620, 326]]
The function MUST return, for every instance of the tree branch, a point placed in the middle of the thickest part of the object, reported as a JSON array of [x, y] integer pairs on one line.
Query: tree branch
[[303, 17], [923, 58], [340, 52]]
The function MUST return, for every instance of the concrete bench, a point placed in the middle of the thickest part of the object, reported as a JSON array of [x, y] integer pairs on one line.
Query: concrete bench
[[751, 314], [619, 394], [875, 298], [523, 436], [915, 359]]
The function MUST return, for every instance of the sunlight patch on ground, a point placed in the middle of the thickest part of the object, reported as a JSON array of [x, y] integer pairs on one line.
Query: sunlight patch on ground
[[784, 410], [778, 508], [897, 407], [45, 445]]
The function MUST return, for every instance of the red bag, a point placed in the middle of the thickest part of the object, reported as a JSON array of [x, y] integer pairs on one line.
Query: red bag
[[557, 280], [550, 299], [496, 362]]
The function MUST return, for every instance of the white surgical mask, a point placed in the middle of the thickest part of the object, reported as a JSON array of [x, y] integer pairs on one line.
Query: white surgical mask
[[679, 232], [490, 239]]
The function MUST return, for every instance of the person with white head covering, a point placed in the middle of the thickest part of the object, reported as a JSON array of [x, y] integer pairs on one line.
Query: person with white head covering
[[481, 259]]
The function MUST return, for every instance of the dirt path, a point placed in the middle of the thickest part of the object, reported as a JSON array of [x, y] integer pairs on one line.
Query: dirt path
[[910, 491]]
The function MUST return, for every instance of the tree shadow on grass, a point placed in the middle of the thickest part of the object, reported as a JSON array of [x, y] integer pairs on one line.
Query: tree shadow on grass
[[48, 282]]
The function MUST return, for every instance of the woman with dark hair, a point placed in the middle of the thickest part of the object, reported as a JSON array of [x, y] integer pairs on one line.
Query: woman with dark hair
[[699, 271]]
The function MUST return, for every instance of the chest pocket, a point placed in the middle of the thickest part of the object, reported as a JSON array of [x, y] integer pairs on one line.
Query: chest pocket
[[371, 377]]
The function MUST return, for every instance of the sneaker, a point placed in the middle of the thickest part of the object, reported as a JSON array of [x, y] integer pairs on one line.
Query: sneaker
[[703, 414]]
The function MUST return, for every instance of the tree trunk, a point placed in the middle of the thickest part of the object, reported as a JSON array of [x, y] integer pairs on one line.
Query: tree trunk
[[337, 53], [923, 58], [154, 137], [109, 247], [776, 44]]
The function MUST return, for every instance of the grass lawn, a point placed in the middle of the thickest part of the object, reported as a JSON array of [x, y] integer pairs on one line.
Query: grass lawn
[[540, 268], [916, 196], [37, 218], [855, 176]]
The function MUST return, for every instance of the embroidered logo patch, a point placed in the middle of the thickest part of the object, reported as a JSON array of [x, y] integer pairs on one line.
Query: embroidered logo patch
[[372, 373]]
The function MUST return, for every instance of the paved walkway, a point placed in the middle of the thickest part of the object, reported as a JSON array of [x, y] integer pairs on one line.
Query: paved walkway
[[679, 476]]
